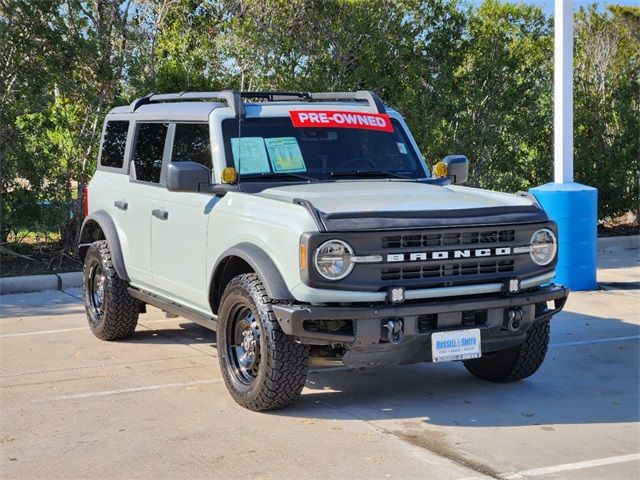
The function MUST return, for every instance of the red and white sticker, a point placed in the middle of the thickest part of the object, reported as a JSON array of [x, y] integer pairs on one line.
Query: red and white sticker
[[333, 119]]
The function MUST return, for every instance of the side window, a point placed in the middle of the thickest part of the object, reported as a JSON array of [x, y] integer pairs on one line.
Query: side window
[[149, 148], [115, 139], [191, 143]]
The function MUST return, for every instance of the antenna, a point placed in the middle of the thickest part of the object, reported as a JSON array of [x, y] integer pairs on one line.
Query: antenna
[[239, 149]]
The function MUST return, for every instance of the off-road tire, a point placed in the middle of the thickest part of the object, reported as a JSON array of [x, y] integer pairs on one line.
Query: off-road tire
[[282, 369], [514, 363], [120, 310]]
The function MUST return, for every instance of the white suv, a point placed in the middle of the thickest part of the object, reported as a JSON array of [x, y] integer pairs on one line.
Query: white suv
[[300, 224]]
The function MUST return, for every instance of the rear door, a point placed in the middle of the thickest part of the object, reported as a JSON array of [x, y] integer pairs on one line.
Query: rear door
[[136, 201], [179, 230]]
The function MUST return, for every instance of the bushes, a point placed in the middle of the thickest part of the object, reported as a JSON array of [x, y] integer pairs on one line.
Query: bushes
[[473, 81]]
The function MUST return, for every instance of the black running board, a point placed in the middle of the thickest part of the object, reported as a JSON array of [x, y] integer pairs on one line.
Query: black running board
[[210, 322]]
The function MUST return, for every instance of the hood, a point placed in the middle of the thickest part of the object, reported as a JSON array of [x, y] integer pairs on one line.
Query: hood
[[392, 196], [346, 206]]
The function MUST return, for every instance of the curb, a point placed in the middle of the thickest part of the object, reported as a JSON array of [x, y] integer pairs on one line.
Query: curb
[[38, 283], [610, 244]]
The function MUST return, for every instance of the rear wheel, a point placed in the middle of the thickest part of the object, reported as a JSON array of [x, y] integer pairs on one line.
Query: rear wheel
[[112, 312], [514, 363], [263, 368]]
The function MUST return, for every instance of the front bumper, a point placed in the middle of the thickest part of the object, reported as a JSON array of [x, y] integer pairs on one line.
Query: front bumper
[[362, 326]]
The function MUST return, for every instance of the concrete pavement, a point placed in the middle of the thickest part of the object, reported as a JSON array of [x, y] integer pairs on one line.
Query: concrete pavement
[[155, 406]]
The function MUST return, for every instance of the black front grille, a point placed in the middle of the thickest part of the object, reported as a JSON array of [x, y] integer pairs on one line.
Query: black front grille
[[448, 238], [443, 270]]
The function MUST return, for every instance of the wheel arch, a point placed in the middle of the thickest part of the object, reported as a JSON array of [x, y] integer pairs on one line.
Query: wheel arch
[[246, 258], [100, 226]]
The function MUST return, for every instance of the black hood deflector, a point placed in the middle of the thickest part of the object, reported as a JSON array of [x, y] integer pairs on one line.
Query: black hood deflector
[[371, 221]]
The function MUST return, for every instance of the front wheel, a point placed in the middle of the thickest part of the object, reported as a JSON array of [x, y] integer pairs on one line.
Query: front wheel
[[263, 368], [514, 363]]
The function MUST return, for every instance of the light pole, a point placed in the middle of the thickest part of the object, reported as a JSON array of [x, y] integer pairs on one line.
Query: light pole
[[563, 92], [573, 206]]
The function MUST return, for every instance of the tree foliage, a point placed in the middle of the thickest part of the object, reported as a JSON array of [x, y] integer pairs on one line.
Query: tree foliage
[[476, 81]]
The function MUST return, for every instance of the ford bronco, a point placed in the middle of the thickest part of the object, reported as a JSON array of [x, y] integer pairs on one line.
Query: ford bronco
[[300, 225]]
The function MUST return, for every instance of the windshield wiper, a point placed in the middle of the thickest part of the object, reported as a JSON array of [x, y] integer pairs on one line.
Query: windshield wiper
[[367, 173], [277, 175]]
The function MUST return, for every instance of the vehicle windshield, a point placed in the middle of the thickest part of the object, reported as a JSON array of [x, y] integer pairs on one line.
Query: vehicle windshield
[[272, 148]]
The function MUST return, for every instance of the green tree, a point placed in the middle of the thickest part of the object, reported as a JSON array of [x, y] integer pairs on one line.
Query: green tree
[[607, 105], [69, 61], [476, 81], [502, 89]]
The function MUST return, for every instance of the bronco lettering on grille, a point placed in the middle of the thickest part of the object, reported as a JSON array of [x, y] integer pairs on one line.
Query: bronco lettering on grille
[[448, 254]]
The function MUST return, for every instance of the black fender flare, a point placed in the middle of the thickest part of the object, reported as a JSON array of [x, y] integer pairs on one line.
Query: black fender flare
[[108, 227], [261, 263]]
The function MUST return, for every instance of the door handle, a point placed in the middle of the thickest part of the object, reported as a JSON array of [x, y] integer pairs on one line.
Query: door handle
[[159, 213], [121, 204]]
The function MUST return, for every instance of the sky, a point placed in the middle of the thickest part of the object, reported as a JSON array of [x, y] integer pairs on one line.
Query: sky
[[547, 5]]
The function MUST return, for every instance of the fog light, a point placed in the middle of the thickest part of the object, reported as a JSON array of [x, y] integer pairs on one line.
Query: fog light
[[396, 295]]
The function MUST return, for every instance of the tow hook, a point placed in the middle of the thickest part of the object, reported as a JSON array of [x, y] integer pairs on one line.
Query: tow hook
[[394, 331], [513, 319]]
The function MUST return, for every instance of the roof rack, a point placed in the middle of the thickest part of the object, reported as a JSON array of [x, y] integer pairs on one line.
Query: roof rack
[[231, 97], [276, 96], [234, 98], [368, 96]]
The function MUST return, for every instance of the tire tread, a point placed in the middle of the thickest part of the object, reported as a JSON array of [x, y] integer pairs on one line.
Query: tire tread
[[514, 363], [287, 363], [121, 311]]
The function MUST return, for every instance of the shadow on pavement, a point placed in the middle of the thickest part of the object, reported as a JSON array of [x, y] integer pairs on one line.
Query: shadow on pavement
[[619, 285], [577, 384], [187, 334]]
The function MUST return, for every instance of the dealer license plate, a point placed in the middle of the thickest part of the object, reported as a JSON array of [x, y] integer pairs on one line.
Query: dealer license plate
[[455, 345]]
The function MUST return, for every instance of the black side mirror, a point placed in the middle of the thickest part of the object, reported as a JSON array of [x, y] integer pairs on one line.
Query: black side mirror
[[187, 176], [457, 168]]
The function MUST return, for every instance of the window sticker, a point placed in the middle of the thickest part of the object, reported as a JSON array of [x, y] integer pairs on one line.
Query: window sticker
[[285, 154], [254, 155], [402, 148], [332, 119]]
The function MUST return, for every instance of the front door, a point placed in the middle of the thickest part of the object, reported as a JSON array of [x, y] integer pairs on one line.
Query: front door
[[179, 225]]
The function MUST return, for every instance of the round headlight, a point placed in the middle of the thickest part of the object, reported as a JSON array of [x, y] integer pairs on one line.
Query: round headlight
[[544, 247], [333, 259]]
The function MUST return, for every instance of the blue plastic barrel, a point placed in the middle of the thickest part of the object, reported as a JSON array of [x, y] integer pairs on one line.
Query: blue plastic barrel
[[574, 207]]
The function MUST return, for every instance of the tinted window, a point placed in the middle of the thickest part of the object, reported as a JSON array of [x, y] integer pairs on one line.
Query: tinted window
[[191, 143], [115, 139], [149, 148]]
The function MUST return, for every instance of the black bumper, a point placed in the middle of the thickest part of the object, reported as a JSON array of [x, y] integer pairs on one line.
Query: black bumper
[[362, 325]]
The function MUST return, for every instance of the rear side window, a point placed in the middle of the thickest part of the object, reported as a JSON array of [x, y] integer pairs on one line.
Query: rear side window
[[115, 139], [149, 149], [191, 143]]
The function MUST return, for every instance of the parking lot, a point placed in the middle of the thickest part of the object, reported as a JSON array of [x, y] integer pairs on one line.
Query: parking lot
[[155, 406]]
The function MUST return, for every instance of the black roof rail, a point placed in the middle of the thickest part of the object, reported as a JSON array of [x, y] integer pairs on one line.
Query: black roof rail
[[367, 95], [275, 96], [231, 97], [234, 98], [139, 102]]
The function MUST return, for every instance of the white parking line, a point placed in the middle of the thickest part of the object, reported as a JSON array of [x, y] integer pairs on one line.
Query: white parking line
[[567, 467], [62, 330], [41, 332], [594, 341], [105, 393]]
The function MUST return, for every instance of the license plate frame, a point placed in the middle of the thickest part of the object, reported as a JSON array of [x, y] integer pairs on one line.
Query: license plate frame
[[454, 345]]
